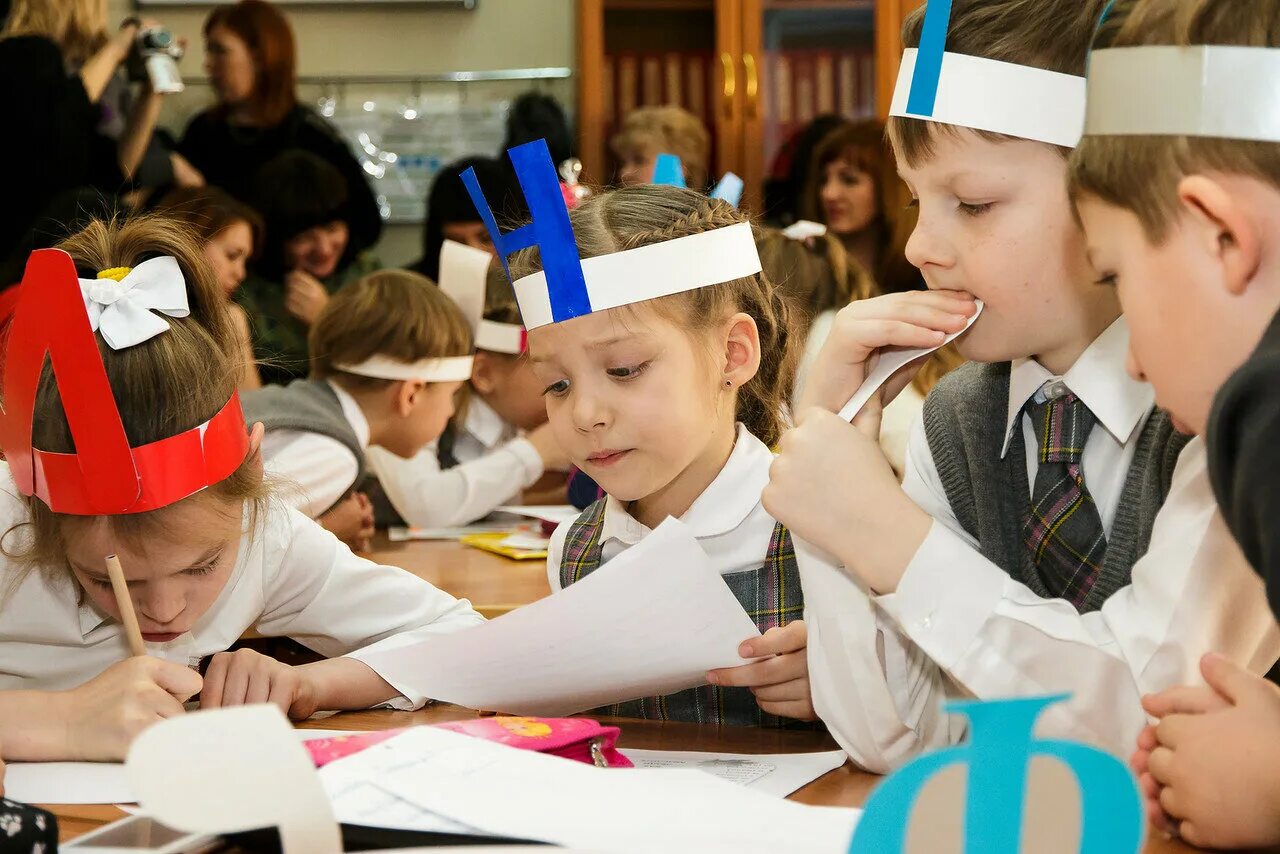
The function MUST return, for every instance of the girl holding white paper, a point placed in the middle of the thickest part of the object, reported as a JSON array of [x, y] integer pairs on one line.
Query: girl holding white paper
[[663, 351], [132, 442]]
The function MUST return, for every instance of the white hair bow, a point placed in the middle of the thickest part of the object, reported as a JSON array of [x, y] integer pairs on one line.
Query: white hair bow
[[124, 311]]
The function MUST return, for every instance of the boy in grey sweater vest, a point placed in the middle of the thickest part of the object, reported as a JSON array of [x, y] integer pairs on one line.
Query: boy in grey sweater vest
[[1183, 222], [1042, 540]]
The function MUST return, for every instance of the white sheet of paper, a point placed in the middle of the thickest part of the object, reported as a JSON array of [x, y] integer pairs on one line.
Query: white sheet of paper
[[558, 513], [510, 792], [891, 359], [404, 535], [777, 774], [235, 769], [651, 621], [90, 782]]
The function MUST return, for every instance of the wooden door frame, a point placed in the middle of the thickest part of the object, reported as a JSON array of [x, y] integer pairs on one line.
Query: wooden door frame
[[590, 91]]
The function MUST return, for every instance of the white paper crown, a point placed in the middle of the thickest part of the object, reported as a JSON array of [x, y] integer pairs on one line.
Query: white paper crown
[[451, 369], [1227, 92], [985, 94], [464, 273]]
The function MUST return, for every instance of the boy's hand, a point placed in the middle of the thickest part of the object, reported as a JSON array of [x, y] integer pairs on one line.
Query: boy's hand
[[244, 676], [913, 319], [1217, 769], [832, 486], [780, 681], [351, 521], [105, 714]]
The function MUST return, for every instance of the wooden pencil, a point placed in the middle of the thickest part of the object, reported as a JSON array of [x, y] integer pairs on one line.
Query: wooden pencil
[[125, 604]]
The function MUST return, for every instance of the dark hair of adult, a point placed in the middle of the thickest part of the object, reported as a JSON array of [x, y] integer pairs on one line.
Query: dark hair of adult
[[294, 192]]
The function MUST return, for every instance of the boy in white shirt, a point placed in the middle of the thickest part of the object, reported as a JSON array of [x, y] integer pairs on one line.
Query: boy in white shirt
[[1042, 540]]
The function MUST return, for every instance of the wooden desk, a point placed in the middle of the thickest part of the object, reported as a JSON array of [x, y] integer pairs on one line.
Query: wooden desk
[[494, 584], [843, 787]]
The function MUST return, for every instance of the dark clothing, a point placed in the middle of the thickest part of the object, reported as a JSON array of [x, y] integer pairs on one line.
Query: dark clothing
[[52, 145], [229, 156], [1244, 458]]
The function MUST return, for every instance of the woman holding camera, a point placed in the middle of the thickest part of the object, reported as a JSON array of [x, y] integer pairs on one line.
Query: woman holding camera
[[56, 62], [250, 59]]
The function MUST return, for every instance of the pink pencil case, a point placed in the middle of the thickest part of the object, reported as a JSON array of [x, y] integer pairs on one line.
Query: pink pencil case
[[579, 739]]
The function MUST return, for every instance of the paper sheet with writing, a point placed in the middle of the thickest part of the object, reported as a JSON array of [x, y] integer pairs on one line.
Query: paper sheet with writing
[[651, 621], [777, 774], [504, 791]]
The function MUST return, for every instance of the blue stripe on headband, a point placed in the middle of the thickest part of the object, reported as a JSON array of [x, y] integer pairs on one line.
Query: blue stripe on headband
[[668, 171], [933, 43], [549, 228]]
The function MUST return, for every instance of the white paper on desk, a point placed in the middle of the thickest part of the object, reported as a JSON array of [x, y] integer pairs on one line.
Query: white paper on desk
[[651, 621], [509, 792], [228, 770], [90, 782], [558, 513], [777, 774], [405, 535], [891, 360]]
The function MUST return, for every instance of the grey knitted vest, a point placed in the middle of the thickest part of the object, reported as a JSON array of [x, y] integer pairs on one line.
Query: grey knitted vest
[[964, 419], [307, 405]]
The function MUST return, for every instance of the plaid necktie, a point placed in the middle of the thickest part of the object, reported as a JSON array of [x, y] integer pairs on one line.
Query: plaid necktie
[[1063, 530]]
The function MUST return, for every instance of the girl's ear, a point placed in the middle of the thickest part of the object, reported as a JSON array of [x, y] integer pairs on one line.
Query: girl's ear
[[741, 350]]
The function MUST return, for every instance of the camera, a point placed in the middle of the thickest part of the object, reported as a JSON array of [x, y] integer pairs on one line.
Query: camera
[[155, 57]]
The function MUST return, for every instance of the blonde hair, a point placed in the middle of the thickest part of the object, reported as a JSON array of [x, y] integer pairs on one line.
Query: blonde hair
[[639, 216], [816, 276], [668, 130], [1141, 173], [394, 313], [78, 27], [1049, 34], [164, 386]]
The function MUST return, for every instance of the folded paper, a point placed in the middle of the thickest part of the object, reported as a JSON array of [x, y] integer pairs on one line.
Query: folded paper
[[464, 273]]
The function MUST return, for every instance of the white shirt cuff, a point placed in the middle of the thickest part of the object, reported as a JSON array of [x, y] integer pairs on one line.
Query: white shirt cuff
[[529, 459], [946, 596], [409, 700]]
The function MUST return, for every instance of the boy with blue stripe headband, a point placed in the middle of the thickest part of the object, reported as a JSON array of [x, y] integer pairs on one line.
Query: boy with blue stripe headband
[[1177, 183], [1051, 534]]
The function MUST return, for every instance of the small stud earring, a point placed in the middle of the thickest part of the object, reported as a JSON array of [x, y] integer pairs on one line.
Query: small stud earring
[[728, 383]]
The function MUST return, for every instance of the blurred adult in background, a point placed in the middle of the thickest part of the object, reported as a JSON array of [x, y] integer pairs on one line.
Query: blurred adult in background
[[230, 232], [451, 215], [650, 131], [850, 190], [251, 62], [309, 252], [533, 116], [789, 178], [57, 59]]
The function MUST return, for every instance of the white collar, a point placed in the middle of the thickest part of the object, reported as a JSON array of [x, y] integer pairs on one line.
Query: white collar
[[354, 415], [484, 423], [722, 506], [1098, 378]]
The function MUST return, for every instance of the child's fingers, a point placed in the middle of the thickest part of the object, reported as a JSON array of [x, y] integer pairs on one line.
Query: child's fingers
[[181, 682], [896, 333], [1184, 699], [1147, 738], [1170, 730], [946, 317], [797, 709], [259, 685], [782, 668], [1160, 765], [236, 684], [1171, 803], [215, 676], [284, 690], [795, 689], [777, 641]]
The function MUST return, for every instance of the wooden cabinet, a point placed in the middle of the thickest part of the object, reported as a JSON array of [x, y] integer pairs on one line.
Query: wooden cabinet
[[755, 71]]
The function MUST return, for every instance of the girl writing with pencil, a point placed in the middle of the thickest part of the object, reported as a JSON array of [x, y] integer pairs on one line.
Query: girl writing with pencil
[[129, 440]]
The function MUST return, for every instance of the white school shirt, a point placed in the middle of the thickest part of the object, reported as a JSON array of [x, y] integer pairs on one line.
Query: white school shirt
[[958, 626], [727, 519], [317, 470], [898, 416], [291, 578], [495, 465]]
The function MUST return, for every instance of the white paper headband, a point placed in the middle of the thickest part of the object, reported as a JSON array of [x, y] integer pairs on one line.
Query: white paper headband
[[650, 272], [497, 337], [984, 94], [454, 369], [1228, 92], [463, 277]]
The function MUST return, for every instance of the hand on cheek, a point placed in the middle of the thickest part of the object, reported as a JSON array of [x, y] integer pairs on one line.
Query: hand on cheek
[[780, 681], [832, 486], [243, 677]]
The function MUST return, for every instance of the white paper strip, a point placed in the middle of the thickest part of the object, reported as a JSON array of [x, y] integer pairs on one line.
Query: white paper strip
[[229, 770], [1222, 91], [500, 337], [776, 774], [650, 272], [1029, 103], [891, 360], [453, 369], [605, 639], [464, 272]]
